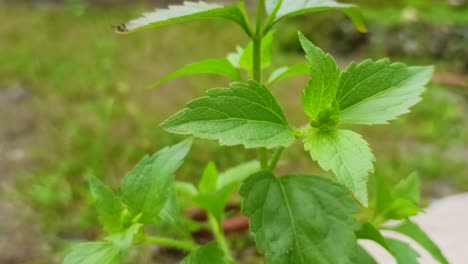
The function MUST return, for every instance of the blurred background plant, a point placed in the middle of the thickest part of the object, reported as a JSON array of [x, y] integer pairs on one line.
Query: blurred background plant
[[73, 102]]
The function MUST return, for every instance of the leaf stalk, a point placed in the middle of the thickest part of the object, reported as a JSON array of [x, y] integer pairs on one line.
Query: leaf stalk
[[276, 158], [168, 242], [219, 237]]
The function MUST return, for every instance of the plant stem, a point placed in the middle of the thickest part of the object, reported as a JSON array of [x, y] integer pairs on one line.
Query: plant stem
[[219, 236], [272, 17], [276, 158], [257, 45], [168, 242], [263, 157], [241, 5], [257, 67]]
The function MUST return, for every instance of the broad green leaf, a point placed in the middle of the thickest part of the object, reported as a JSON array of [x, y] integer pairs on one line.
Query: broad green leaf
[[210, 253], [402, 252], [214, 66], [363, 257], [244, 113], [413, 231], [409, 188], [374, 92], [109, 207], [209, 179], [246, 59], [391, 205], [346, 154], [286, 72], [291, 8], [300, 219], [108, 252], [186, 12], [369, 232], [145, 189], [237, 174], [318, 99], [94, 252]]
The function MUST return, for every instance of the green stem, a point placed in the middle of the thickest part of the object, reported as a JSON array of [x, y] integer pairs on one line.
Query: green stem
[[257, 66], [219, 236], [257, 44], [271, 18], [263, 157], [241, 5], [276, 158], [168, 242]]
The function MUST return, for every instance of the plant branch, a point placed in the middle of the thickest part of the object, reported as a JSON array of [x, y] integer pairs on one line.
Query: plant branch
[[257, 44], [168, 242], [263, 157], [241, 5], [276, 158], [272, 17], [257, 66], [219, 236]]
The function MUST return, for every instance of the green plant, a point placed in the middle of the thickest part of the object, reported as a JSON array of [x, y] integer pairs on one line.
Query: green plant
[[294, 218]]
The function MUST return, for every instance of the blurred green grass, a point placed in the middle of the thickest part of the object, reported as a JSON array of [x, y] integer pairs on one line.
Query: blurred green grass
[[94, 114]]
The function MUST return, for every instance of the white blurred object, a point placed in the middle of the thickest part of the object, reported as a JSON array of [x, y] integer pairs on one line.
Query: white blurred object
[[446, 222], [410, 14]]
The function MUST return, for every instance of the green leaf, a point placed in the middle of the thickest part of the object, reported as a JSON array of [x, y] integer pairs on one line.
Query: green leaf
[[215, 202], [363, 257], [368, 231], [108, 252], [209, 179], [127, 238], [212, 197], [291, 8], [245, 113], [383, 195], [246, 59], [318, 99], [210, 253], [286, 72], [402, 252], [227, 183], [300, 219], [413, 231], [376, 92], [170, 213], [392, 205], [93, 252], [186, 188], [145, 189], [214, 66], [109, 207], [346, 154], [235, 175], [186, 12], [401, 209], [409, 188]]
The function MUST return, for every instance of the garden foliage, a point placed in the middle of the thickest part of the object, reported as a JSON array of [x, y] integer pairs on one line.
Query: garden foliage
[[295, 218]]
